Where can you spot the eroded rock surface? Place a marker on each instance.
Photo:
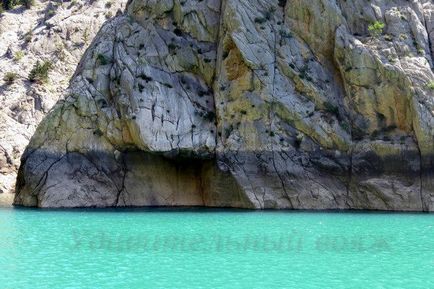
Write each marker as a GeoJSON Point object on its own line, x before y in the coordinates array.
{"type": "Point", "coordinates": [55, 31]}
{"type": "Point", "coordinates": [253, 104]}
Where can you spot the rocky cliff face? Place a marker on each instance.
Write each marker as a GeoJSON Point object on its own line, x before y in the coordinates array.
{"type": "Point", "coordinates": [54, 31]}
{"type": "Point", "coordinates": [255, 104]}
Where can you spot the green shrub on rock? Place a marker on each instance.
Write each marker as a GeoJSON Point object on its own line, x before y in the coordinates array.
{"type": "Point", "coordinates": [10, 4]}
{"type": "Point", "coordinates": [376, 28]}
{"type": "Point", "coordinates": [18, 55]}
{"type": "Point", "coordinates": [40, 71]}
{"type": "Point", "coordinates": [10, 77]}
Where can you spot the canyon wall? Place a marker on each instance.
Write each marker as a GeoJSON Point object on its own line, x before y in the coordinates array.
{"type": "Point", "coordinates": [261, 104]}
{"type": "Point", "coordinates": [55, 31]}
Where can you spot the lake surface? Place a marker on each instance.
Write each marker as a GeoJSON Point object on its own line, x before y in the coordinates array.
{"type": "Point", "coordinates": [214, 249]}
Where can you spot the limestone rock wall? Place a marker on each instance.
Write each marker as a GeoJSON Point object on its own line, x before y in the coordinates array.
{"type": "Point", "coordinates": [56, 31]}
{"type": "Point", "coordinates": [253, 104]}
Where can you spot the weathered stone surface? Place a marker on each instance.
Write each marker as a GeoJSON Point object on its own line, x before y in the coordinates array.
{"type": "Point", "coordinates": [253, 104]}
{"type": "Point", "coordinates": [55, 31]}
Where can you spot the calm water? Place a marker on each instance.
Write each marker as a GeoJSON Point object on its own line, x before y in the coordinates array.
{"type": "Point", "coordinates": [214, 249]}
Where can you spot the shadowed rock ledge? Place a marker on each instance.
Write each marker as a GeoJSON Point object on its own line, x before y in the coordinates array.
{"type": "Point", "coordinates": [250, 104]}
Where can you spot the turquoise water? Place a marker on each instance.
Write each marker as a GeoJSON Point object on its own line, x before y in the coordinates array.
{"type": "Point", "coordinates": [214, 249]}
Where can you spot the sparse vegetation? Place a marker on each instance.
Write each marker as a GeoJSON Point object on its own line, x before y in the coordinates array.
{"type": "Point", "coordinates": [403, 36]}
{"type": "Point", "coordinates": [102, 59]}
{"type": "Point", "coordinates": [51, 13]}
{"type": "Point", "coordinates": [345, 126]}
{"type": "Point", "coordinates": [172, 48]}
{"type": "Point", "coordinates": [10, 77]}
{"type": "Point", "coordinates": [28, 36]}
{"type": "Point", "coordinates": [304, 73]}
{"type": "Point", "coordinates": [28, 3]}
{"type": "Point", "coordinates": [376, 28]}
{"type": "Point", "coordinates": [10, 4]}
{"type": "Point", "coordinates": [210, 116]}
{"type": "Point", "coordinates": [18, 55]}
{"type": "Point", "coordinates": [388, 37]}
{"type": "Point", "coordinates": [86, 36]}
{"type": "Point", "coordinates": [391, 59]}
{"type": "Point", "coordinates": [40, 71]}
{"type": "Point", "coordinates": [60, 51]}
{"type": "Point", "coordinates": [330, 108]}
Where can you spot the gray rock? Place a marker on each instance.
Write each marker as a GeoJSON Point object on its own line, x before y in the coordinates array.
{"type": "Point", "coordinates": [55, 31]}
{"type": "Point", "coordinates": [250, 104]}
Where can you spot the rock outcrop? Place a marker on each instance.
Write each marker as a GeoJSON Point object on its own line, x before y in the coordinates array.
{"type": "Point", "coordinates": [293, 104]}
{"type": "Point", "coordinates": [55, 31]}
